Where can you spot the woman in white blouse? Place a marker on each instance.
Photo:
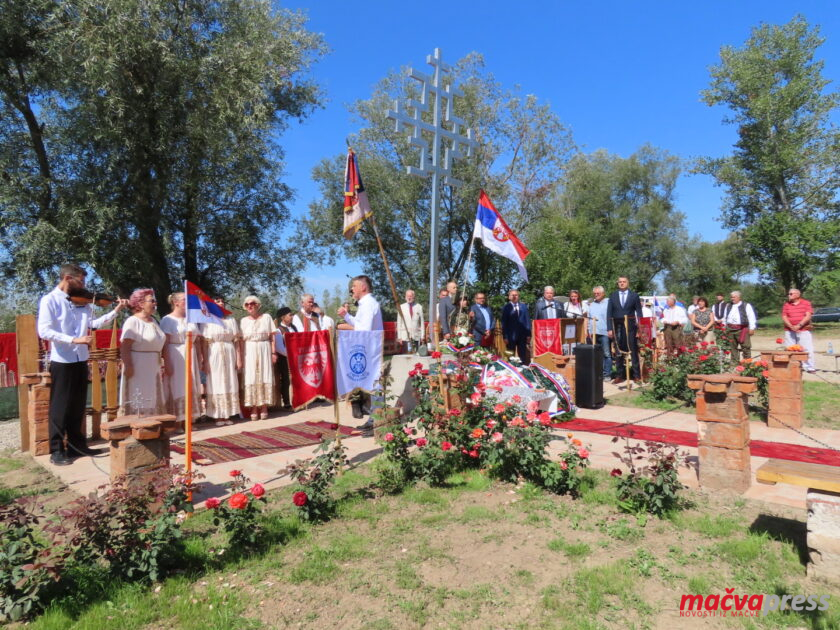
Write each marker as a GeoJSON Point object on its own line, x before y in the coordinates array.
{"type": "Point", "coordinates": [141, 344]}
{"type": "Point", "coordinates": [258, 336]}
{"type": "Point", "coordinates": [222, 360]}
{"type": "Point", "coordinates": [175, 358]}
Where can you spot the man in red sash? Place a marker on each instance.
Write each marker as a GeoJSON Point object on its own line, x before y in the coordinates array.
{"type": "Point", "coordinates": [739, 319]}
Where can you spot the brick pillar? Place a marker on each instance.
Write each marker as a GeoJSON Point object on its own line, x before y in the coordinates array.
{"type": "Point", "coordinates": [784, 387]}
{"type": "Point", "coordinates": [38, 412]}
{"type": "Point", "coordinates": [824, 535]}
{"type": "Point", "coordinates": [723, 429]}
{"type": "Point", "coordinates": [138, 445]}
{"type": "Point", "coordinates": [565, 365]}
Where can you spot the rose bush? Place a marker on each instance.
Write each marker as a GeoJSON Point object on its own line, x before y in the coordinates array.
{"type": "Point", "coordinates": [239, 515]}
{"type": "Point", "coordinates": [315, 477]}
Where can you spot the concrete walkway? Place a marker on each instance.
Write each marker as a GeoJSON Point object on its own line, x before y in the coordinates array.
{"type": "Point", "coordinates": [88, 473]}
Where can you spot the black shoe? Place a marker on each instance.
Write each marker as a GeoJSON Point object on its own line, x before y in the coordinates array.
{"type": "Point", "coordinates": [367, 426]}
{"type": "Point", "coordinates": [357, 410]}
{"type": "Point", "coordinates": [59, 458]}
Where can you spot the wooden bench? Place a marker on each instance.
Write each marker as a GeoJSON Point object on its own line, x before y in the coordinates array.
{"type": "Point", "coordinates": [823, 503]}
{"type": "Point", "coordinates": [816, 476]}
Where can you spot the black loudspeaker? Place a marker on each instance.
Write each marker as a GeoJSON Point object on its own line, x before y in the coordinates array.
{"type": "Point", "coordinates": [589, 380]}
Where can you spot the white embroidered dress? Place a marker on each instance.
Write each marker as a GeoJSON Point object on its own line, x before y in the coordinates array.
{"type": "Point", "coordinates": [258, 335]}
{"type": "Point", "coordinates": [142, 393]}
{"type": "Point", "coordinates": [174, 384]}
{"type": "Point", "coordinates": [222, 381]}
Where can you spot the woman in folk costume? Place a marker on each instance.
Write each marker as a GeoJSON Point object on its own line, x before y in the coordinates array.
{"type": "Point", "coordinates": [222, 360]}
{"type": "Point", "coordinates": [175, 355]}
{"type": "Point", "coordinates": [141, 344]}
{"type": "Point", "coordinates": [258, 332]}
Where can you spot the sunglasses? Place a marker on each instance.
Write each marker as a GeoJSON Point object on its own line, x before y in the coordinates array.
{"type": "Point", "coordinates": [251, 304]}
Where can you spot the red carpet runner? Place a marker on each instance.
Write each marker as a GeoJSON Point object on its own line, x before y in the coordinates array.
{"type": "Point", "coordinates": [758, 448]}
{"type": "Point", "coordinates": [236, 446]}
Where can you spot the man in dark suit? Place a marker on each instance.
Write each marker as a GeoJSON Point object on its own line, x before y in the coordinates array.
{"type": "Point", "coordinates": [483, 323]}
{"type": "Point", "coordinates": [548, 307]}
{"type": "Point", "coordinates": [624, 302]}
{"type": "Point", "coordinates": [516, 327]}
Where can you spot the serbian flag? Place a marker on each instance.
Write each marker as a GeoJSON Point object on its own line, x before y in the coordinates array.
{"type": "Point", "coordinates": [491, 228]}
{"type": "Point", "coordinates": [356, 206]}
{"type": "Point", "coordinates": [310, 366]}
{"type": "Point", "coordinates": [200, 308]}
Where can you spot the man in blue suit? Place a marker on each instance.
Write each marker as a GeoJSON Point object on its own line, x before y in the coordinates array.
{"type": "Point", "coordinates": [548, 307]}
{"type": "Point", "coordinates": [624, 303]}
{"type": "Point", "coordinates": [482, 320]}
{"type": "Point", "coordinates": [516, 327]}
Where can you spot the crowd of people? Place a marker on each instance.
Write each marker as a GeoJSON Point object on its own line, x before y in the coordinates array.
{"type": "Point", "coordinates": [243, 364]}
{"type": "Point", "coordinates": [611, 322]}
{"type": "Point", "coordinates": [228, 358]}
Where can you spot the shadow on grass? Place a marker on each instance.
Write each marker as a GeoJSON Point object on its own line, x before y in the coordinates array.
{"type": "Point", "coordinates": [785, 530]}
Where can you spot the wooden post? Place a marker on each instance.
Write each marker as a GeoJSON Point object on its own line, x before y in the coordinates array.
{"type": "Point", "coordinates": [27, 360]}
{"type": "Point", "coordinates": [96, 390]}
{"type": "Point", "coordinates": [111, 380]}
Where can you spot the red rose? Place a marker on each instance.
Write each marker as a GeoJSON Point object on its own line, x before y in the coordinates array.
{"type": "Point", "coordinates": [418, 366]}
{"type": "Point", "coordinates": [765, 373]}
{"type": "Point", "coordinates": [212, 503]}
{"type": "Point", "coordinates": [424, 372]}
{"type": "Point", "coordinates": [445, 446]}
{"type": "Point", "coordinates": [454, 412]}
{"type": "Point", "coordinates": [257, 490]}
{"type": "Point", "coordinates": [615, 472]}
{"type": "Point", "coordinates": [300, 499]}
{"type": "Point", "coordinates": [235, 473]}
{"type": "Point", "coordinates": [436, 354]}
{"type": "Point", "coordinates": [334, 426]}
{"type": "Point", "coordinates": [473, 453]}
{"type": "Point", "coordinates": [238, 501]}
{"type": "Point", "coordinates": [421, 442]}
{"type": "Point", "coordinates": [413, 373]}
{"type": "Point", "coordinates": [703, 357]}
{"type": "Point", "coordinates": [703, 344]}
{"type": "Point", "coordinates": [739, 368]}
{"type": "Point", "coordinates": [780, 341]}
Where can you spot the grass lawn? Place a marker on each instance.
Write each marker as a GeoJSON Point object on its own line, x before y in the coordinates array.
{"type": "Point", "coordinates": [476, 554]}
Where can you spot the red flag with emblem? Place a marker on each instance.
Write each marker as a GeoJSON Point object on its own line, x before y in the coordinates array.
{"type": "Point", "coordinates": [546, 335]}
{"type": "Point", "coordinates": [310, 366]}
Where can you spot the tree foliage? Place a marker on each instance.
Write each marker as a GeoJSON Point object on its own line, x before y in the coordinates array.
{"type": "Point", "coordinates": [523, 148]}
{"type": "Point", "coordinates": [782, 177]}
{"type": "Point", "coordinates": [705, 268]}
{"type": "Point", "coordinates": [139, 137]}
{"type": "Point", "coordinates": [612, 216]}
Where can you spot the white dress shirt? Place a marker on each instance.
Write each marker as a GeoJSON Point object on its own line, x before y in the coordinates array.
{"type": "Point", "coordinates": [414, 318]}
{"type": "Point", "coordinates": [368, 316]}
{"type": "Point", "coordinates": [575, 309]}
{"type": "Point", "coordinates": [675, 315]}
{"type": "Point", "coordinates": [60, 322]}
{"type": "Point", "coordinates": [315, 323]}
{"type": "Point", "coordinates": [734, 316]}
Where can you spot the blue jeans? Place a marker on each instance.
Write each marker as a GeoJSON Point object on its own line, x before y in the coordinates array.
{"type": "Point", "coordinates": [604, 342]}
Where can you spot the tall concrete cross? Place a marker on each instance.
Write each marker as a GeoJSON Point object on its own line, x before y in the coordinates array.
{"type": "Point", "coordinates": [446, 144]}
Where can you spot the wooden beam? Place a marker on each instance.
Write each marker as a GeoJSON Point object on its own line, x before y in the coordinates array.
{"type": "Point", "coordinates": [817, 476]}
{"type": "Point", "coordinates": [27, 360]}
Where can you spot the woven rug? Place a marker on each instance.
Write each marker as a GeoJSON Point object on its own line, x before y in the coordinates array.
{"type": "Point", "coordinates": [758, 448]}
{"type": "Point", "coordinates": [236, 446]}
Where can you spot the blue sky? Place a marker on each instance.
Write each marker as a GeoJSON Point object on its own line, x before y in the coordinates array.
{"type": "Point", "coordinates": [618, 73]}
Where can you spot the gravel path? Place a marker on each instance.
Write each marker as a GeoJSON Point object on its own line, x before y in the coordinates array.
{"type": "Point", "coordinates": [10, 435]}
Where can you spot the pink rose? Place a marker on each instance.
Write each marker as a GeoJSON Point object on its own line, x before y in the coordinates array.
{"type": "Point", "coordinates": [408, 430]}
{"type": "Point", "coordinates": [516, 399]}
{"type": "Point", "coordinates": [498, 408]}
{"type": "Point", "coordinates": [491, 424]}
{"type": "Point", "coordinates": [563, 464]}
{"type": "Point", "coordinates": [583, 453]}
{"type": "Point", "coordinates": [545, 419]}
{"type": "Point", "coordinates": [532, 406]}
{"type": "Point", "coordinates": [389, 437]}
{"type": "Point", "coordinates": [212, 503]}
{"type": "Point", "coordinates": [530, 416]}
{"type": "Point", "coordinates": [497, 437]}
{"type": "Point", "coordinates": [421, 442]}
{"type": "Point", "coordinates": [473, 453]}
{"type": "Point", "coordinates": [455, 412]}
{"type": "Point", "coordinates": [257, 490]}
{"type": "Point", "coordinates": [739, 368]}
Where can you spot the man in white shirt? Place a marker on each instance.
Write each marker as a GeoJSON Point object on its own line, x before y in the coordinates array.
{"type": "Point", "coordinates": [740, 322]}
{"type": "Point", "coordinates": [67, 327]}
{"type": "Point", "coordinates": [412, 315]}
{"type": "Point", "coordinates": [327, 322]}
{"type": "Point", "coordinates": [306, 318]}
{"type": "Point", "coordinates": [368, 317]}
{"type": "Point", "coordinates": [674, 318]}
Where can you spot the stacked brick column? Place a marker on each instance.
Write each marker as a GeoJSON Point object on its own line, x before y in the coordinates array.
{"type": "Point", "coordinates": [138, 445]}
{"type": "Point", "coordinates": [38, 412]}
{"type": "Point", "coordinates": [723, 430]}
{"type": "Point", "coordinates": [824, 535]}
{"type": "Point", "coordinates": [784, 387]}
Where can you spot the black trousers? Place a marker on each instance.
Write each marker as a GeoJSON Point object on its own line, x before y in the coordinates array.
{"type": "Point", "coordinates": [621, 348]}
{"type": "Point", "coordinates": [68, 398]}
{"type": "Point", "coordinates": [283, 381]}
{"type": "Point", "coordinates": [521, 348]}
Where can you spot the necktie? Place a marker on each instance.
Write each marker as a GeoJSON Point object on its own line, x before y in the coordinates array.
{"type": "Point", "coordinates": [623, 297]}
{"type": "Point", "coordinates": [411, 310]}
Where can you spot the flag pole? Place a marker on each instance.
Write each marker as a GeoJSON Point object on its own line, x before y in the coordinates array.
{"type": "Point", "coordinates": [466, 276]}
{"type": "Point", "coordinates": [334, 350]}
{"type": "Point", "coordinates": [388, 272]}
{"type": "Point", "coordinates": [629, 353]}
{"type": "Point", "coordinates": [188, 395]}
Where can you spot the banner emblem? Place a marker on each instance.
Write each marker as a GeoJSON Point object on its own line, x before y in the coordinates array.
{"type": "Point", "coordinates": [358, 361]}
{"type": "Point", "coordinates": [500, 234]}
{"type": "Point", "coordinates": [311, 365]}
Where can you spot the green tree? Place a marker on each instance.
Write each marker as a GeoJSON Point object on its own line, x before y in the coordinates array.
{"type": "Point", "coordinates": [139, 137]}
{"type": "Point", "coordinates": [612, 216]}
{"type": "Point", "coordinates": [781, 180]}
{"type": "Point", "coordinates": [704, 268]}
{"type": "Point", "coordinates": [523, 148]}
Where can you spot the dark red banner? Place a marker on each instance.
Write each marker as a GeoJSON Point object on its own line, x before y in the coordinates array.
{"type": "Point", "coordinates": [310, 366]}
{"type": "Point", "coordinates": [546, 334]}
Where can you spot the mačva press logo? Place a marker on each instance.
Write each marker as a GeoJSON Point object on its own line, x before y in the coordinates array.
{"type": "Point", "coordinates": [731, 605]}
